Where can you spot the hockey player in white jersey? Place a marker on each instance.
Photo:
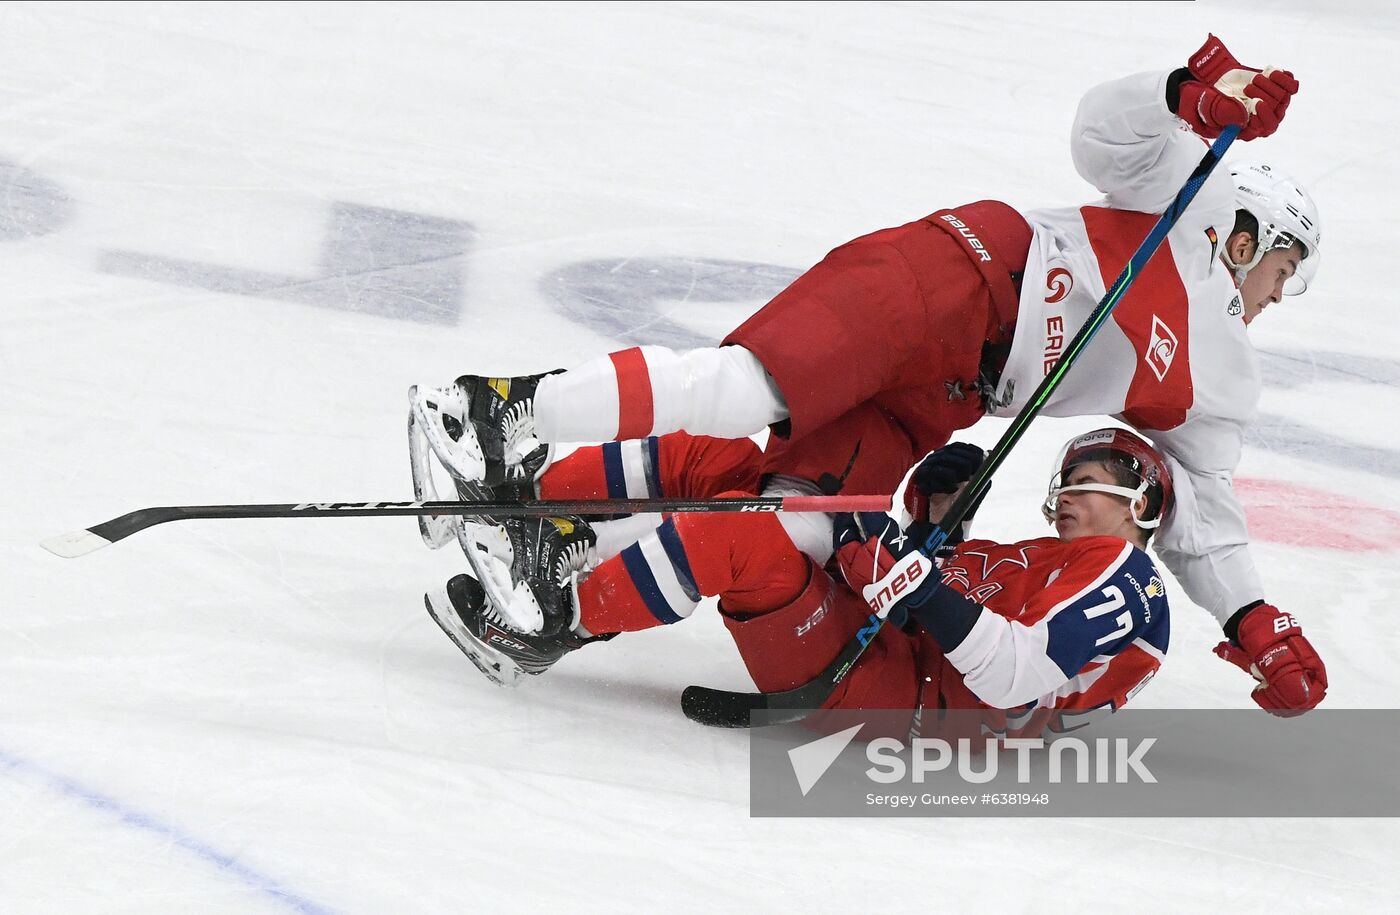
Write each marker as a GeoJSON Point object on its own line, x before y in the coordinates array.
{"type": "Point", "coordinates": [894, 341]}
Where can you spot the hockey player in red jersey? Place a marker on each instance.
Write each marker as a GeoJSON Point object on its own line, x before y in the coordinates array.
{"type": "Point", "coordinates": [1052, 625]}
{"type": "Point", "coordinates": [879, 353]}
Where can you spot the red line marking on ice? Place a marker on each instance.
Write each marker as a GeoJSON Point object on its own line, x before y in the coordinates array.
{"type": "Point", "coordinates": [1301, 516]}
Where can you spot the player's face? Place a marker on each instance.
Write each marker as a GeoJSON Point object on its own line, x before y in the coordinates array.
{"type": "Point", "coordinates": [1090, 514]}
{"type": "Point", "coordinates": [1263, 285]}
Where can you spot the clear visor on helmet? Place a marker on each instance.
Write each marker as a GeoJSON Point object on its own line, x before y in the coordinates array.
{"type": "Point", "coordinates": [1271, 239]}
{"type": "Point", "coordinates": [1058, 487]}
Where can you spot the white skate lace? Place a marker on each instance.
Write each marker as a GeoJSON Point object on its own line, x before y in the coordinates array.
{"type": "Point", "coordinates": [488, 608]}
{"type": "Point", "coordinates": [572, 559]}
{"type": "Point", "coordinates": [518, 433]}
{"type": "Point", "coordinates": [496, 618]}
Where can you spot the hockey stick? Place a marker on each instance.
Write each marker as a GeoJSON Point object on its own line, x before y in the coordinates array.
{"type": "Point", "coordinates": [82, 542]}
{"type": "Point", "coordinates": [723, 708]}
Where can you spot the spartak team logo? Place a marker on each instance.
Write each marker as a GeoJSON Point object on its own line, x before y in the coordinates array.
{"type": "Point", "coordinates": [1058, 283]}
{"type": "Point", "coordinates": [1161, 348]}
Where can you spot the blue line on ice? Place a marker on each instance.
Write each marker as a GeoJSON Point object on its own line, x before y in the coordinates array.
{"type": "Point", "coordinates": [137, 820]}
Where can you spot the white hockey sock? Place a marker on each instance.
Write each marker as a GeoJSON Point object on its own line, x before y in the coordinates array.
{"type": "Point", "coordinates": [811, 532]}
{"type": "Point", "coordinates": [651, 390]}
{"type": "Point", "coordinates": [616, 535]}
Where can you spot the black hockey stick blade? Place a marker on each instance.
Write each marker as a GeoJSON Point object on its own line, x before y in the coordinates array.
{"type": "Point", "coordinates": [79, 543]}
{"type": "Point", "coordinates": [721, 708]}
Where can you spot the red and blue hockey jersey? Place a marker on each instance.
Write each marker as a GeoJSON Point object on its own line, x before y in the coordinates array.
{"type": "Point", "coordinates": [1063, 628]}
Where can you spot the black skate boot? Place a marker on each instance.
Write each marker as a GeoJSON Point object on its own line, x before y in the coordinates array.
{"type": "Point", "coordinates": [501, 414]}
{"type": "Point", "coordinates": [482, 431]}
{"type": "Point", "coordinates": [518, 618]}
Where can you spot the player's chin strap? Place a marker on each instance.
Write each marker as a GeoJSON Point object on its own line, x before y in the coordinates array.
{"type": "Point", "coordinates": [1132, 495]}
{"type": "Point", "coordinates": [1261, 247]}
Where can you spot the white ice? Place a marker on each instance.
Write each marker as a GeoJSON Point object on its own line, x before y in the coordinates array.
{"type": "Point", "coordinates": [231, 236]}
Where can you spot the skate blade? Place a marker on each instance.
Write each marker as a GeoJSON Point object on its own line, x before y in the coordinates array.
{"type": "Point", "coordinates": [463, 457]}
{"type": "Point", "coordinates": [492, 570]}
{"type": "Point", "coordinates": [498, 668]}
{"type": "Point", "coordinates": [436, 530]}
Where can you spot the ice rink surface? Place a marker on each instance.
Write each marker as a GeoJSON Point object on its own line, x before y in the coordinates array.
{"type": "Point", "coordinates": [231, 237]}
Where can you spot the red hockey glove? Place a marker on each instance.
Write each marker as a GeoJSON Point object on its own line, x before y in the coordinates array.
{"type": "Point", "coordinates": [1227, 92]}
{"type": "Point", "coordinates": [1274, 89]}
{"type": "Point", "coordinates": [1270, 647]}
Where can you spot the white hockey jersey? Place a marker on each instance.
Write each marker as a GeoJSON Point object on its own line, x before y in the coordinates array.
{"type": "Point", "coordinates": [1174, 360]}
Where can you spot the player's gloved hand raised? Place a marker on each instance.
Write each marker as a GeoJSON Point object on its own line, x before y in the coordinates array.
{"type": "Point", "coordinates": [1224, 92]}
{"type": "Point", "coordinates": [868, 544]}
{"type": "Point", "coordinates": [939, 474]}
{"type": "Point", "coordinates": [1269, 645]}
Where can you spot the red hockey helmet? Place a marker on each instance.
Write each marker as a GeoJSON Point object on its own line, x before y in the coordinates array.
{"type": "Point", "coordinates": [1124, 450]}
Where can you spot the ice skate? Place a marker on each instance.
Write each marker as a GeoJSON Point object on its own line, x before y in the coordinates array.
{"type": "Point", "coordinates": [519, 615]}
{"type": "Point", "coordinates": [482, 432]}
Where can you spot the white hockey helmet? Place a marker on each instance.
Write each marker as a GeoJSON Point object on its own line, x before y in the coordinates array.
{"type": "Point", "coordinates": [1286, 213]}
{"type": "Point", "coordinates": [1121, 449]}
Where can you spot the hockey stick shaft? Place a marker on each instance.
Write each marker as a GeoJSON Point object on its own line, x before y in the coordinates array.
{"type": "Point", "coordinates": [722, 708]}
{"type": "Point", "coordinates": [78, 543]}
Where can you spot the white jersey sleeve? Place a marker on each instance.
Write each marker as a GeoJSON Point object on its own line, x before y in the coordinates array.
{"type": "Point", "coordinates": [1130, 146]}
{"type": "Point", "coordinates": [1204, 541]}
